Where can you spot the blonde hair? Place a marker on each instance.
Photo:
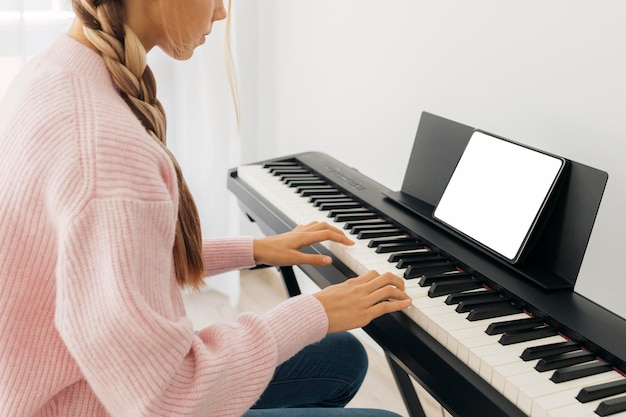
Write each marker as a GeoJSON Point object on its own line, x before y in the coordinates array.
{"type": "Point", "coordinates": [125, 57]}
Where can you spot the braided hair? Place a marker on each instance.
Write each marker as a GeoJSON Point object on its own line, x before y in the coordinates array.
{"type": "Point", "coordinates": [125, 57]}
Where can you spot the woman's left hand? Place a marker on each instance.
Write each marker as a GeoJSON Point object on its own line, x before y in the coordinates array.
{"type": "Point", "coordinates": [284, 249]}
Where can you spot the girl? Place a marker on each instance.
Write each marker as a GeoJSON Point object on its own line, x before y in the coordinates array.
{"type": "Point", "coordinates": [99, 232]}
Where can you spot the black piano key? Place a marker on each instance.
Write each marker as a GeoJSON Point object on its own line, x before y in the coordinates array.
{"type": "Point", "coordinates": [489, 312]}
{"type": "Point", "coordinates": [370, 234]}
{"type": "Point", "coordinates": [524, 335]}
{"type": "Point", "coordinates": [338, 205]}
{"type": "Point", "coordinates": [418, 271]}
{"type": "Point", "coordinates": [314, 198]}
{"type": "Point", "coordinates": [395, 257]}
{"type": "Point", "coordinates": [302, 182]}
{"type": "Point", "coordinates": [469, 305]}
{"type": "Point", "coordinates": [536, 352]}
{"type": "Point", "coordinates": [399, 247]}
{"type": "Point", "coordinates": [449, 287]}
{"type": "Point", "coordinates": [457, 297]}
{"type": "Point", "coordinates": [429, 279]}
{"type": "Point", "coordinates": [357, 216]}
{"type": "Point", "coordinates": [378, 224]}
{"type": "Point", "coordinates": [612, 406]}
{"type": "Point", "coordinates": [371, 222]}
{"type": "Point", "coordinates": [421, 264]}
{"type": "Point", "coordinates": [582, 370]}
{"type": "Point", "coordinates": [565, 359]}
{"type": "Point", "coordinates": [323, 187]}
{"type": "Point", "coordinates": [319, 192]}
{"type": "Point", "coordinates": [330, 199]}
{"type": "Point", "coordinates": [507, 326]}
{"type": "Point", "coordinates": [284, 171]}
{"type": "Point", "coordinates": [596, 392]}
{"type": "Point", "coordinates": [354, 210]}
{"type": "Point", "coordinates": [296, 177]}
{"type": "Point", "coordinates": [424, 255]}
{"type": "Point", "coordinates": [271, 164]}
{"type": "Point", "coordinates": [374, 243]}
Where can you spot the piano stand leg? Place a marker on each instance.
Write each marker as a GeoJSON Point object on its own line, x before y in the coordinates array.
{"type": "Point", "coordinates": [403, 381]}
{"type": "Point", "coordinates": [289, 279]}
{"type": "Point", "coordinates": [407, 390]}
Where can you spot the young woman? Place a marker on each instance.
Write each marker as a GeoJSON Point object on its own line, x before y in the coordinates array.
{"type": "Point", "coordinates": [99, 232]}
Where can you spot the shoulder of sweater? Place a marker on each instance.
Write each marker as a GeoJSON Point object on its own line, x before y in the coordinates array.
{"type": "Point", "coordinates": [97, 139]}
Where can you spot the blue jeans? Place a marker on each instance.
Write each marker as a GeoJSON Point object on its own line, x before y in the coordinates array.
{"type": "Point", "coordinates": [318, 382]}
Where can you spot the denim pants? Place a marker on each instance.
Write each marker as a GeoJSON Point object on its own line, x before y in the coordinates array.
{"type": "Point", "coordinates": [318, 382]}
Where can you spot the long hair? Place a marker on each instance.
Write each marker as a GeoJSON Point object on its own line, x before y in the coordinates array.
{"type": "Point", "coordinates": [125, 57]}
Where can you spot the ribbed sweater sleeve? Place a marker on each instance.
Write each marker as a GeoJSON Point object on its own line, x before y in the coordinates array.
{"type": "Point", "coordinates": [91, 318]}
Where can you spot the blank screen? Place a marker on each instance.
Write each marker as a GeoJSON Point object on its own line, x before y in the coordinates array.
{"type": "Point", "coordinates": [497, 192]}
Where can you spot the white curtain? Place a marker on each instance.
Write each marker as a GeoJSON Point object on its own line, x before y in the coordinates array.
{"type": "Point", "coordinates": [195, 94]}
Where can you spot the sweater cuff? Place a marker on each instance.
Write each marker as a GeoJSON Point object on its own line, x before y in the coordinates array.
{"type": "Point", "coordinates": [296, 323]}
{"type": "Point", "coordinates": [227, 254]}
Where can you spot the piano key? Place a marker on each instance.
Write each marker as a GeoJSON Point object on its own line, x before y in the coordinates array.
{"type": "Point", "coordinates": [538, 399]}
{"type": "Point", "coordinates": [395, 257]}
{"type": "Point", "coordinates": [604, 390]}
{"type": "Point", "coordinates": [506, 326]}
{"type": "Point", "coordinates": [378, 224]}
{"type": "Point", "coordinates": [449, 287]}
{"type": "Point", "coordinates": [339, 205]}
{"type": "Point", "coordinates": [433, 265]}
{"type": "Point", "coordinates": [319, 192]}
{"type": "Point", "coordinates": [374, 243]}
{"type": "Point", "coordinates": [325, 197]}
{"type": "Point", "coordinates": [300, 182]}
{"type": "Point", "coordinates": [370, 234]}
{"type": "Point", "coordinates": [430, 279]}
{"type": "Point", "coordinates": [612, 406]}
{"type": "Point", "coordinates": [469, 305]}
{"type": "Point", "coordinates": [287, 179]}
{"type": "Point", "coordinates": [357, 216]}
{"type": "Point", "coordinates": [414, 271]}
{"type": "Point", "coordinates": [368, 222]}
{"type": "Point", "coordinates": [485, 312]}
{"type": "Point", "coordinates": [280, 164]}
{"type": "Point", "coordinates": [522, 335]}
{"type": "Point", "coordinates": [564, 359]}
{"type": "Point", "coordinates": [398, 247]}
{"type": "Point", "coordinates": [457, 297]}
{"type": "Point", "coordinates": [338, 200]}
{"type": "Point", "coordinates": [580, 410]}
{"type": "Point", "coordinates": [358, 210]}
{"type": "Point", "coordinates": [549, 350]}
{"type": "Point", "coordinates": [283, 171]}
{"type": "Point", "coordinates": [581, 370]}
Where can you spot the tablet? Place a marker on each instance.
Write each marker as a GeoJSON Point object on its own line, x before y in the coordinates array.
{"type": "Point", "coordinates": [497, 194]}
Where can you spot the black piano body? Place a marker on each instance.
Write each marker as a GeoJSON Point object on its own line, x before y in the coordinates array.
{"type": "Point", "coordinates": [542, 284]}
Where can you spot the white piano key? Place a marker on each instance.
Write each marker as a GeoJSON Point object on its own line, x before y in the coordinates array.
{"type": "Point", "coordinates": [561, 395]}
{"type": "Point", "coordinates": [582, 409]}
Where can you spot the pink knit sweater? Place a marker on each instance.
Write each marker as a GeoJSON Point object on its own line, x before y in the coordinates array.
{"type": "Point", "coordinates": [91, 319]}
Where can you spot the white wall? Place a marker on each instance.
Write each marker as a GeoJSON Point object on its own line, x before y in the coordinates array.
{"type": "Point", "coordinates": [351, 77]}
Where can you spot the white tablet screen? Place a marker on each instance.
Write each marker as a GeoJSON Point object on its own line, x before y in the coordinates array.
{"type": "Point", "coordinates": [497, 192]}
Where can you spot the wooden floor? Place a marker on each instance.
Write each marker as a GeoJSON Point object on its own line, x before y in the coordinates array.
{"type": "Point", "coordinates": [261, 290]}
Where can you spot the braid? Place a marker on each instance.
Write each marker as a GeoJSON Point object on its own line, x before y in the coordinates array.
{"type": "Point", "coordinates": [125, 57]}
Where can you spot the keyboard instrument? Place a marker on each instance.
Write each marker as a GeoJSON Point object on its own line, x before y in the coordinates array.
{"type": "Point", "coordinates": [485, 338]}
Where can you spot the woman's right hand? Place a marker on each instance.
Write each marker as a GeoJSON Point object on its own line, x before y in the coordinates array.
{"type": "Point", "coordinates": [357, 301]}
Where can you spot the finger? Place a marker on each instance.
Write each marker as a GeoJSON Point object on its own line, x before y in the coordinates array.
{"type": "Point", "coordinates": [385, 294]}
{"type": "Point", "coordinates": [389, 307]}
{"type": "Point", "coordinates": [320, 260]}
{"type": "Point", "coordinates": [323, 226]}
{"type": "Point", "coordinates": [386, 279]}
{"type": "Point", "coordinates": [325, 235]}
